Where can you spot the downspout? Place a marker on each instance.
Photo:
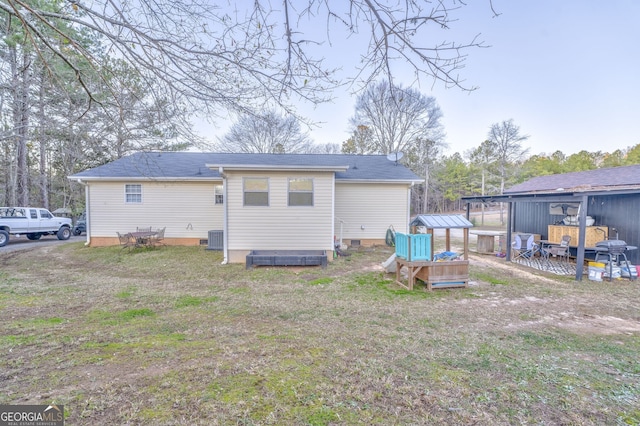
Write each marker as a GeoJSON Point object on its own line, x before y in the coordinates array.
{"type": "Point", "coordinates": [87, 211]}
{"type": "Point", "coordinates": [333, 214]}
{"type": "Point", "coordinates": [225, 209]}
{"type": "Point", "coordinates": [406, 230]}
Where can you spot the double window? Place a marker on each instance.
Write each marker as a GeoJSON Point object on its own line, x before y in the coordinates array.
{"type": "Point", "coordinates": [299, 192]}
{"type": "Point", "coordinates": [133, 193]}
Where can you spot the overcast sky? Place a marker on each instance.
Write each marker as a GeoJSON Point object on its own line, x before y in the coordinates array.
{"type": "Point", "coordinates": [567, 72]}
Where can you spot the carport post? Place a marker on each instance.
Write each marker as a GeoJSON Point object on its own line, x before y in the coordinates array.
{"type": "Point", "coordinates": [582, 219]}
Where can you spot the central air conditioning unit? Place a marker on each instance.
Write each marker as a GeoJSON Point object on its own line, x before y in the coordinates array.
{"type": "Point", "coordinates": [216, 240]}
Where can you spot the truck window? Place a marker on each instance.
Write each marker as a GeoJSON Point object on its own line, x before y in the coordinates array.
{"type": "Point", "coordinates": [44, 214]}
{"type": "Point", "coordinates": [12, 212]}
{"type": "Point", "coordinates": [33, 213]}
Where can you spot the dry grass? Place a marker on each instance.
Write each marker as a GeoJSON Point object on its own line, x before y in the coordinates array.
{"type": "Point", "coordinates": [170, 336]}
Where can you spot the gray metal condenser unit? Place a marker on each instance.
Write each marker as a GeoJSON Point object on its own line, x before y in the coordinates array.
{"type": "Point", "coordinates": [216, 240]}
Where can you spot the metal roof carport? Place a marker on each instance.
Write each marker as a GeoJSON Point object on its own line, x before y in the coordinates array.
{"type": "Point", "coordinates": [579, 197]}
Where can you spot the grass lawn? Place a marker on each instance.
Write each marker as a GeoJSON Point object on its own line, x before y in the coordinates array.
{"type": "Point", "coordinates": [171, 336]}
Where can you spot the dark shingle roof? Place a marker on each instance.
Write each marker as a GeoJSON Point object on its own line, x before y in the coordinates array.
{"type": "Point", "coordinates": [193, 165]}
{"type": "Point", "coordinates": [590, 180]}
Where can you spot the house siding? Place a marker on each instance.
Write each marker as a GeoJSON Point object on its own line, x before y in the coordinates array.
{"type": "Point", "coordinates": [279, 226]}
{"type": "Point", "coordinates": [186, 209]}
{"type": "Point", "coordinates": [374, 206]}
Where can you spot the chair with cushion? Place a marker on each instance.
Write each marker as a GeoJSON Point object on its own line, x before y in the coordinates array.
{"type": "Point", "coordinates": [523, 247]}
{"type": "Point", "coordinates": [560, 251]}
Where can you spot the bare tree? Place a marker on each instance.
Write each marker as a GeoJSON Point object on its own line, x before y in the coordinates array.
{"type": "Point", "coordinates": [483, 158]}
{"type": "Point", "coordinates": [195, 57]}
{"type": "Point", "coordinates": [270, 133]}
{"type": "Point", "coordinates": [326, 148]}
{"type": "Point", "coordinates": [396, 117]}
{"type": "Point", "coordinates": [506, 144]}
{"type": "Point", "coordinates": [234, 56]}
{"type": "Point", "coordinates": [21, 72]}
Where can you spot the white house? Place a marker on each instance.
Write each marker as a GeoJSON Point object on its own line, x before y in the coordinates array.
{"type": "Point", "coordinates": [253, 201]}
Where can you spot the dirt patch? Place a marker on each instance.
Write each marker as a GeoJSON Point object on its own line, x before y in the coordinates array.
{"type": "Point", "coordinates": [486, 261]}
{"type": "Point", "coordinates": [562, 312]}
{"type": "Point", "coordinates": [605, 325]}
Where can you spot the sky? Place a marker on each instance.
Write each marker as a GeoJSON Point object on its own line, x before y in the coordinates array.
{"type": "Point", "coordinates": [567, 73]}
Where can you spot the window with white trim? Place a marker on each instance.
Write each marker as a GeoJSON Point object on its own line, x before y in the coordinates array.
{"type": "Point", "coordinates": [133, 193]}
{"type": "Point", "coordinates": [256, 191]}
{"type": "Point", "coordinates": [300, 192]}
{"type": "Point", "coordinates": [219, 194]}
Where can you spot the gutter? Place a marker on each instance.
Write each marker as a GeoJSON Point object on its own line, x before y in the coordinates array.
{"type": "Point", "coordinates": [225, 216]}
{"type": "Point", "coordinates": [87, 208]}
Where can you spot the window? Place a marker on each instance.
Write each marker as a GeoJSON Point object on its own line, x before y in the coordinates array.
{"type": "Point", "coordinates": [133, 193]}
{"type": "Point", "coordinates": [301, 192]}
{"type": "Point", "coordinates": [219, 195]}
{"type": "Point", "coordinates": [44, 214]}
{"type": "Point", "coordinates": [33, 213]}
{"type": "Point", "coordinates": [256, 191]}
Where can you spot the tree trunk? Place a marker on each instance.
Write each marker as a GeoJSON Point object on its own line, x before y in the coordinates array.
{"type": "Point", "coordinates": [42, 181]}
{"type": "Point", "coordinates": [20, 91]}
{"type": "Point", "coordinates": [502, 177]}
{"type": "Point", "coordinates": [482, 205]}
{"type": "Point", "coordinates": [425, 201]}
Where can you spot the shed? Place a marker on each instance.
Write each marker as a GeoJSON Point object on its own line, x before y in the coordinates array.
{"type": "Point", "coordinates": [446, 222]}
{"type": "Point", "coordinates": [435, 272]}
{"type": "Point", "coordinates": [63, 211]}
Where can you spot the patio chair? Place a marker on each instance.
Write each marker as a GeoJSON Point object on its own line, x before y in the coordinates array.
{"type": "Point", "coordinates": [561, 251]}
{"type": "Point", "coordinates": [157, 238]}
{"type": "Point", "coordinates": [523, 247]}
{"type": "Point", "coordinates": [126, 240]}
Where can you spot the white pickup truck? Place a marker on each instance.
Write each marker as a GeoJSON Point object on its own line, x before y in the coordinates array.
{"type": "Point", "coordinates": [32, 222]}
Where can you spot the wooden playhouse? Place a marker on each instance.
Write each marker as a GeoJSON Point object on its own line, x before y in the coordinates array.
{"type": "Point", "coordinates": [415, 252]}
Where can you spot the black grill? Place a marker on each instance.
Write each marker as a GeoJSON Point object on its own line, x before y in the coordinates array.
{"type": "Point", "coordinates": [612, 246]}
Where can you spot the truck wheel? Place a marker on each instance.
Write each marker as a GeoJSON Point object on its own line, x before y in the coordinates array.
{"type": "Point", "coordinates": [77, 231]}
{"type": "Point", "coordinates": [64, 233]}
{"type": "Point", "coordinates": [34, 236]}
{"type": "Point", "coordinates": [4, 238]}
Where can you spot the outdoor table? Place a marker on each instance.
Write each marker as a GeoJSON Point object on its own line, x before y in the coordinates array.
{"type": "Point", "coordinates": [486, 240]}
{"type": "Point", "coordinates": [546, 244]}
{"type": "Point", "coordinates": [143, 238]}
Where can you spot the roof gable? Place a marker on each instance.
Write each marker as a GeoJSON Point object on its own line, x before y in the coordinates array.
{"type": "Point", "coordinates": [590, 180]}
{"type": "Point", "coordinates": [193, 166]}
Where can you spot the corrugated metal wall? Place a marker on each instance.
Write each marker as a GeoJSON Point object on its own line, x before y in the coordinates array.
{"type": "Point", "coordinates": [616, 211]}
{"type": "Point", "coordinates": [534, 218]}
{"type": "Point", "coordinates": [623, 213]}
